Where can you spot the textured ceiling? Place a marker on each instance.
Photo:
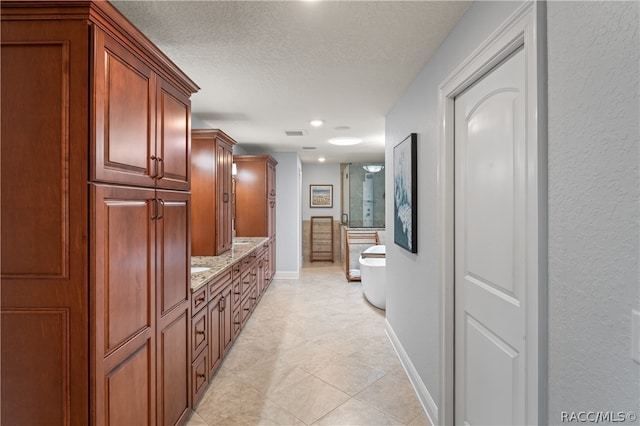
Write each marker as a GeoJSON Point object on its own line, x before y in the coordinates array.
{"type": "Point", "coordinates": [269, 66]}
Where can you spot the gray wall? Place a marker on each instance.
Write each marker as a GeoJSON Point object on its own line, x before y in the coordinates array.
{"type": "Point", "coordinates": [321, 174]}
{"type": "Point", "coordinates": [413, 307]}
{"type": "Point", "coordinates": [288, 214]}
{"type": "Point", "coordinates": [593, 205]}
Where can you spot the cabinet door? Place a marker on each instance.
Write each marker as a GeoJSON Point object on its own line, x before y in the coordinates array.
{"type": "Point", "coordinates": [123, 323]}
{"type": "Point", "coordinates": [215, 348]}
{"type": "Point", "coordinates": [271, 217]}
{"type": "Point", "coordinates": [174, 365]}
{"type": "Point", "coordinates": [124, 116]}
{"type": "Point", "coordinates": [226, 319]}
{"type": "Point", "coordinates": [271, 180]}
{"type": "Point", "coordinates": [224, 160]}
{"type": "Point", "coordinates": [174, 253]}
{"type": "Point", "coordinates": [172, 305]}
{"type": "Point", "coordinates": [174, 137]}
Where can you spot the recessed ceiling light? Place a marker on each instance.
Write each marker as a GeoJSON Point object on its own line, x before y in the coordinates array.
{"type": "Point", "coordinates": [322, 159]}
{"type": "Point", "coordinates": [316, 123]}
{"type": "Point", "coordinates": [345, 141]}
{"type": "Point", "coordinates": [342, 128]}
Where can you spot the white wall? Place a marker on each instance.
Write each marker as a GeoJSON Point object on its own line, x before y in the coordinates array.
{"type": "Point", "coordinates": [288, 215]}
{"type": "Point", "coordinates": [412, 290]}
{"type": "Point", "coordinates": [593, 205]}
{"type": "Point", "coordinates": [321, 174]}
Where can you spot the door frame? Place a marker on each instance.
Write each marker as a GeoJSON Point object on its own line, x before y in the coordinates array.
{"type": "Point", "coordinates": [525, 27]}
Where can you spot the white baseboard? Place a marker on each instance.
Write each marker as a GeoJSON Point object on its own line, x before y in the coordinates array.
{"type": "Point", "coordinates": [287, 275]}
{"type": "Point", "coordinates": [428, 404]}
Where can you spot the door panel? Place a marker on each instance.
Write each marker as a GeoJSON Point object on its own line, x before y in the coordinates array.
{"type": "Point", "coordinates": [174, 138]}
{"type": "Point", "coordinates": [123, 325]}
{"type": "Point", "coordinates": [125, 103]}
{"type": "Point", "coordinates": [174, 261]}
{"type": "Point", "coordinates": [490, 241]}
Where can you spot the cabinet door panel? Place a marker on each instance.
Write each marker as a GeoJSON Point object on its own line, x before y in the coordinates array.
{"type": "Point", "coordinates": [174, 137]}
{"type": "Point", "coordinates": [125, 103]}
{"type": "Point", "coordinates": [124, 248]}
{"type": "Point", "coordinates": [173, 249]}
{"type": "Point", "coordinates": [215, 348]}
{"type": "Point", "coordinates": [174, 366]}
{"type": "Point", "coordinates": [123, 323]}
{"type": "Point", "coordinates": [129, 395]}
{"type": "Point", "coordinates": [226, 332]}
{"type": "Point", "coordinates": [225, 160]}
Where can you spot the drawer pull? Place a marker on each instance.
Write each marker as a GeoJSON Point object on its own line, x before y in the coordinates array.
{"type": "Point", "coordinates": [200, 299]}
{"type": "Point", "coordinates": [200, 332]}
{"type": "Point", "coordinates": [201, 375]}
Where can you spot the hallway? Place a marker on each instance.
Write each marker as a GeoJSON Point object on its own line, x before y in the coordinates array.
{"type": "Point", "coordinates": [313, 352]}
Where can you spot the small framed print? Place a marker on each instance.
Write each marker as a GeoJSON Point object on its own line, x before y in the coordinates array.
{"type": "Point", "coordinates": [321, 196]}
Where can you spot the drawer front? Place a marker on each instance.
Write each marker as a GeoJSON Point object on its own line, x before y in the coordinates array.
{"type": "Point", "coordinates": [216, 285]}
{"type": "Point", "coordinates": [199, 377]}
{"type": "Point", "coordinates": [198, 300]}
{"type": "Point", "coordinates": [235, 270]}
{"type": "Point", "coordinates": [199, 333]}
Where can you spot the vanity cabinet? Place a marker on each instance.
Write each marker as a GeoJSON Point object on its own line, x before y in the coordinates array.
{"type": "Point", "coordinates": [221, 307]}
{"type": "Point", "coordinates": [96, 240]}
{"type": "Point", "coordinates": [211, 164]}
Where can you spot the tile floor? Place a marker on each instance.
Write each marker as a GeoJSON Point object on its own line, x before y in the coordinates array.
{"type": "Point", "coordinates": [314, 352]}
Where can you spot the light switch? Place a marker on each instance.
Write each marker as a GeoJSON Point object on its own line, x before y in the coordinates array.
{"type": "Point", "coordinates": [635, 335]}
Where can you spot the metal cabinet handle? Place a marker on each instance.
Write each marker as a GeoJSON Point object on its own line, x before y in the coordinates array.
{"type": "Point", "coordinates": [161, 212]}
{"type": "Point", "coordinates": [161, 161]}
{"type": "Point", "coordinates": [225, 197]}
{"type": "Point", "coordinates": [155, 167]}
{"type": "Point", "coordinates": [200, 332]}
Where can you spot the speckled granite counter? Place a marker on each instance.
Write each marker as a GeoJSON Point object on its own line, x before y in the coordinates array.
{"type": "Point", "coordinates": [241, 247]}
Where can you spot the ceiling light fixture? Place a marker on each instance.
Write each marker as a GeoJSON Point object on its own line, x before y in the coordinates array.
{"type": "Point", "coordinates": [343, 141]}
{"type": "Point", "coordinates": [373, 168]}
{"type": "Point", "coordinates": [316, 123]}
{"type": "Point", "coordinates": [322, 159]}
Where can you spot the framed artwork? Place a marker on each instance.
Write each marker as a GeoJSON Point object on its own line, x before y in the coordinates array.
{"type": "Point", "coordinates": [321, 196]}
{"type": "Point", "coordinates": [405, 193]}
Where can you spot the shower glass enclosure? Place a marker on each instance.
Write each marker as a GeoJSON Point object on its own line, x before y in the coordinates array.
{"type": "Point", "coordinates": [363, 195]}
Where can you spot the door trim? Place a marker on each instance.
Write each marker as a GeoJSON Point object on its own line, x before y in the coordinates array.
{"type": "Point", "coordinates": [525, 27]}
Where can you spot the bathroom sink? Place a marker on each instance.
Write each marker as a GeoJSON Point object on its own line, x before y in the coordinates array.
{"type": "Point", "coordinates": [196, 269]}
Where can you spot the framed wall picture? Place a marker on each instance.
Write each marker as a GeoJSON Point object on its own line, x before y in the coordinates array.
{"type": "Point", "coordinates": [321, 196]}
{"type": "Point", "coordinates": [405, 192]}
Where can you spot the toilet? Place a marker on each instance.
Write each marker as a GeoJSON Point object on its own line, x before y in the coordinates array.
{"type": "Point", "coordinates": [372, 275]}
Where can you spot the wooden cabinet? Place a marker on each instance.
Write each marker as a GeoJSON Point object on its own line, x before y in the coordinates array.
{"type": "Point", "coordinates": [95, 279]}
{"type": "Point", "coordinates": [255, 196]}
{"type": "Point", "coordinates": [141, 121]}
{"type": "Point", "coordinates": [211, 162]}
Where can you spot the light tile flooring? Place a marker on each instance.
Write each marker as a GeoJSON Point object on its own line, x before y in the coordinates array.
{"type": "Point", "coordinates": [314, 352]}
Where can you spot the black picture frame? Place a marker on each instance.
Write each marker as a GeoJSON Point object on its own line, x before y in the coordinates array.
{"type": "Point", "coordinates": [405, 193]}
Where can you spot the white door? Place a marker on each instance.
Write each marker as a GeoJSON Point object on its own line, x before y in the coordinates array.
{"type": "Point", "coordinates": [490, 247]}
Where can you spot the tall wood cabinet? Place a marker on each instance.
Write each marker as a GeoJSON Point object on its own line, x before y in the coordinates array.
{"type": "Point", "coordinates": [255, 195]}
{"type": "Point", "coordinates": [211, 162]}
{"type": "Point", "coordinates": [95, 179]}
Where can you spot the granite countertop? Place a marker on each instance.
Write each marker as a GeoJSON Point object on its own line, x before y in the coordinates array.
{"type": "Point", "coordinates": [241, 247]}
